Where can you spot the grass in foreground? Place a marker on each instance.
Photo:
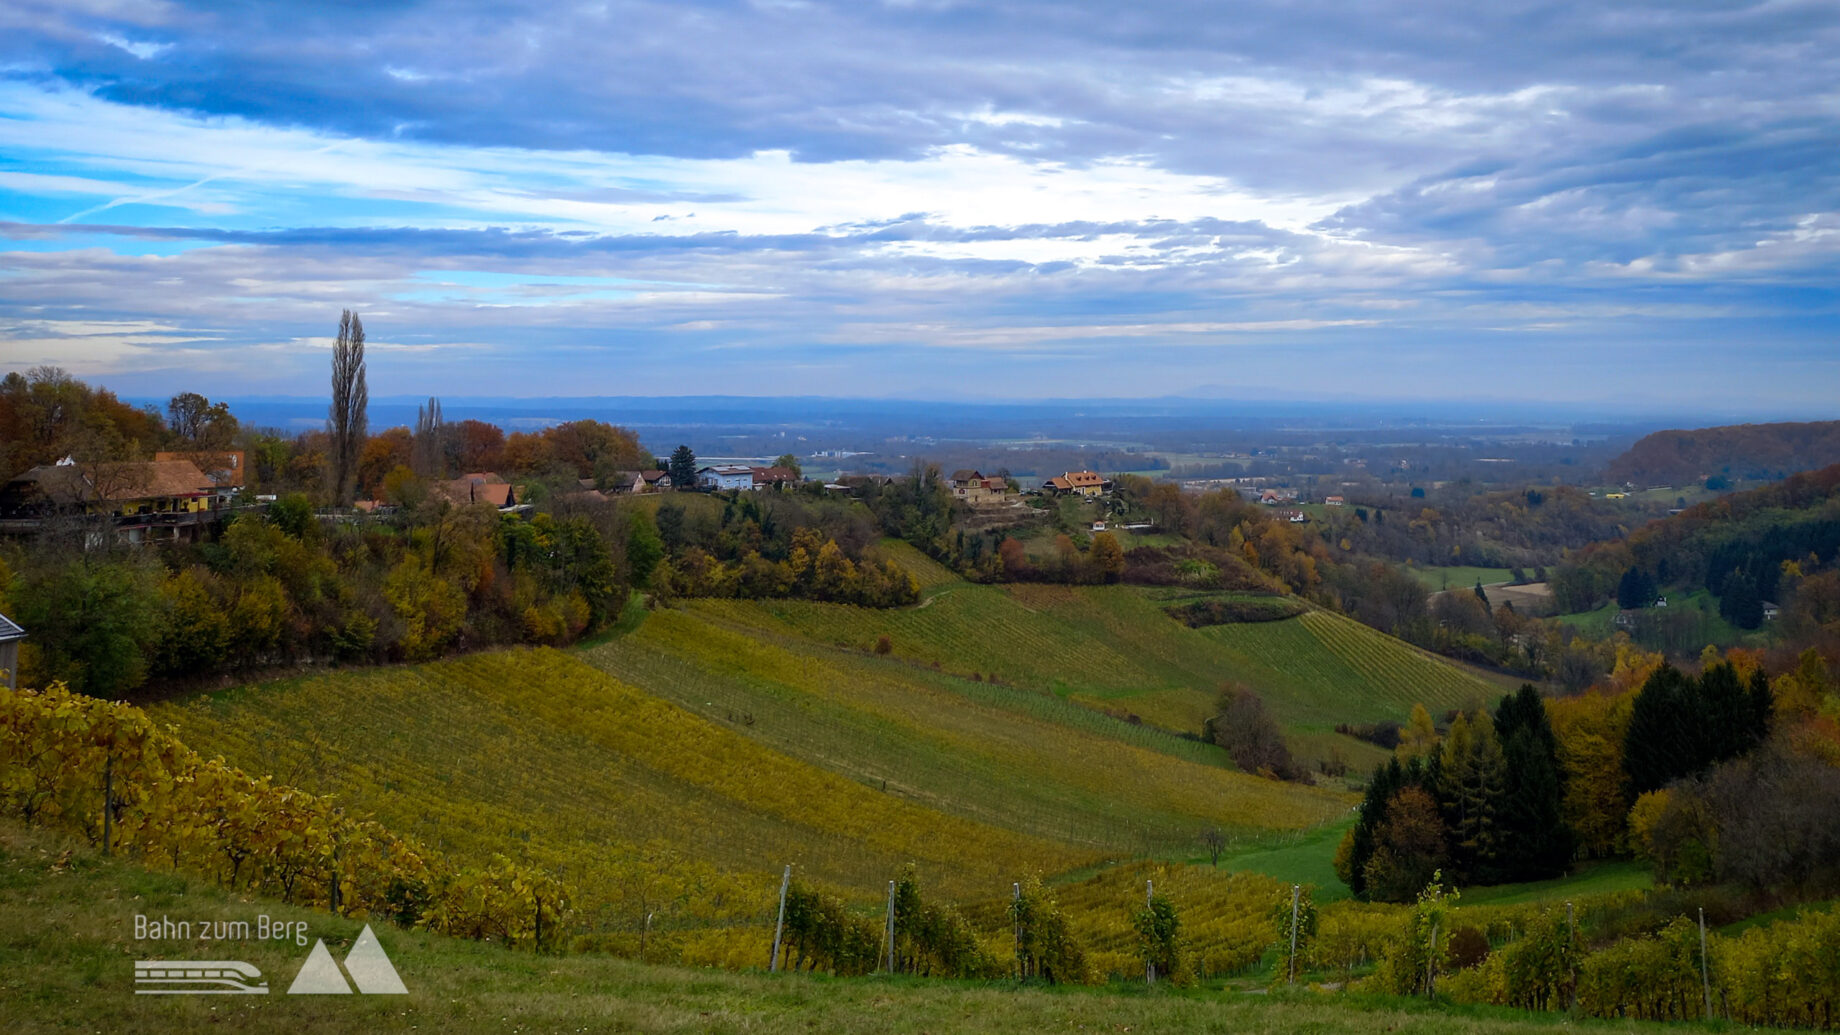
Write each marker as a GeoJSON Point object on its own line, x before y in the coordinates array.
{"type": "Point", "coordinates": [66, 934]}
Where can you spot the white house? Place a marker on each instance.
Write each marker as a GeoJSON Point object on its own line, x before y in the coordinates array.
{"type": "Point", "coordinates": [726, 476]}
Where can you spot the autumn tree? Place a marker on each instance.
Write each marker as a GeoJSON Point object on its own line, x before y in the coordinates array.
{"type": "Point", "coordinates": [1419, 738]}
{"type": "Point", "coordinates": [1409, 847]}
{"type": "Point", "coordinates": [347, 422]}
{"type": "Point", "coordinates": [1106, 557]}
{"type": "Point", "coordinates": [474, 445]}
{"type": "Point", "coordinates": [1247, 731]}
{"type": "Point", "coordinates": [198, 424]}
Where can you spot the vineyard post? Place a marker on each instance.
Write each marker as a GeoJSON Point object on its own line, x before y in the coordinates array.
{"type": "Point", "coordinates": [891, 927]}
{"type": "Point", "coordinates": [1705, 976]}
{"type": "Point", "coordinates": [779, 926]}
{"type": "Point", "coordinates": [332, 893]}
{"type": "Point", "coordinates": [1431, 964]}
{"type": "Point", "coordinates": [108, 795]}
{"type": "Point", "coordinates": [1571, 940]}
{"type": "Point", "coordinates": [1296, 892]}
{"type": "Point", "coordinates": [1149, 903]}
{"type": "Point", "coordinates": [1016, 927]}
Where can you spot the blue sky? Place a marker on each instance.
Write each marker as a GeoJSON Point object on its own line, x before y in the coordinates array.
{"type": "Point", "coordinates": [1619, 205]}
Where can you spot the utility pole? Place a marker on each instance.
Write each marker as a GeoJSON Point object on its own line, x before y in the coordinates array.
{"type": "Point", "coordinates": [779, 926]}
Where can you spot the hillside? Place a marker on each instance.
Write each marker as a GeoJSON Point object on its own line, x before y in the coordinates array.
{"type": "Point", "coordinates": [534, 754]}
{"type": "Point", "coordinates": [1753, 452]}
{"type": "Point", "coordinates": [66, 913]}
{"type": "Point", "coordinates": [1114, 648]}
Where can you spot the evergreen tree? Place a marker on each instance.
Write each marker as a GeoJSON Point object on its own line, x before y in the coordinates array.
{"type": "Point", "coordinates": [1680, 726]}
{"type": "Point", "coordinates": [682, 468]}
{"type": "Point", "coordinates": [1470, 787]}
{"type": "Point", "coordinates": [1637, 588]}
{"type": "Point", "coordinates": [1535, 841]}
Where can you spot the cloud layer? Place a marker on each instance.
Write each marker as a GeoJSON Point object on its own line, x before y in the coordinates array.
{"type": "Point", "coordinates": [1621, 203]}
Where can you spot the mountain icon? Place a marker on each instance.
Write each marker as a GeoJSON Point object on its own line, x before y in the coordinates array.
{"type": "Point", "coordinates": [369, 967]}
{"type": "Point", "coordinates": [319, 976]}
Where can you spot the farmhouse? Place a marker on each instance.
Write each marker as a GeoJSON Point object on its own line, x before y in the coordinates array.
{"type": "Point", "coordinates": [479, 487]}
{"type": "Point", "coordinates": [725, 476]}
{"type": "Point", "coordinates": [974, 487]}
{"type": "Point", "coordinates": [224, 469]}
{"type": "Point", "coordinates": [1084, 483]}
{"type": "Point", "coordinates": [1333, 501]}
{"type": "Point", "coordinates": [635, 482]}
{"type": "Point", "coordinates": [773, 478]}
{"type": "Point", "coordinates": [146, 499]}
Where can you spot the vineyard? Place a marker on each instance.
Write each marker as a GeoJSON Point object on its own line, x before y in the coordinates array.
{"type": "Point", "coordinates": [641, 806]}
{"type": "Point", "coordinates": [1323, 668]}
{"type": "Point", "coordinates": [1114, 648]}
{"type": "Point", "coordinates": [1018, 758]}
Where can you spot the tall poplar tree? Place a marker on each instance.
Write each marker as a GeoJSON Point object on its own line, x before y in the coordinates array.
{"type": "Point", "coordinates": [347, 423]}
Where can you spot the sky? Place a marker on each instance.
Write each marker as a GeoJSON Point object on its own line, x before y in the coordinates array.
{"type": "Point", "coordinates": [1628, 205]}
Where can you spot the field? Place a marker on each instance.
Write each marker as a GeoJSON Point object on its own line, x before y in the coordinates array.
{"type": "Point", "coordinates": [66, 934]}
{"type": "Point", "coordinates": [1714, 629]}
{"type": "Point", "coordinates": [1459, 577]}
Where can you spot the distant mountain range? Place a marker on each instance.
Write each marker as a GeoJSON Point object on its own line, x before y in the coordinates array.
{"type": "Point", "coordinates": [1761, 452]}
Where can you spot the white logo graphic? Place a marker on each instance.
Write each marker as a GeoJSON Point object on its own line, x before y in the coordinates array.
{"type": "Point", "coordinates": [369, 968]}
{"type": "Point", "coordinates": [199, 977]}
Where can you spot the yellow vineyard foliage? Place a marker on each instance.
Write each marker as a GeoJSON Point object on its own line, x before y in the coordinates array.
{"type": "Point", "coordinates": [646, 809]}
{"type": "Point", "coordinates": [109, 772]}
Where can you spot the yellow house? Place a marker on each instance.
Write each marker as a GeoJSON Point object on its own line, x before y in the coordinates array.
{"type": "Point", "coordinates": [124, 489]}
{"type": "Point", "coordinates": [1086, 483]}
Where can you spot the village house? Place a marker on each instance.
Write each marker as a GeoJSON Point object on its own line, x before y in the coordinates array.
{"type": "Point", "coordinates": [974, 487]}
{"type": "Point", "coordinates": [225, 469]}
{"type": "Point", "coordinates": [1333, 501]}
{"type": "Point", "coordinates": [147, 500]}
{"type": "Point", "coordinates": [725, 476]}
{"type": "Point", "coordinates": [480, 487]}
{"type": "Point", "coordinates": [1084, 483]}
{"type": "Point", "coordinates": [773, 478]}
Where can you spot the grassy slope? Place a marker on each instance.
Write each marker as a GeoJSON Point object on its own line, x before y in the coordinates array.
{"type": "Point", "coordinates": [1112, 646]}
{"type": "Point", "coordinates": [1458, 577]}
{"type": "Point", "coordinates": [1015, 757]}
{"type": "Point", "coordinates": [65, 933]}
{"type": "Point", "coordinates": [533, 752]}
